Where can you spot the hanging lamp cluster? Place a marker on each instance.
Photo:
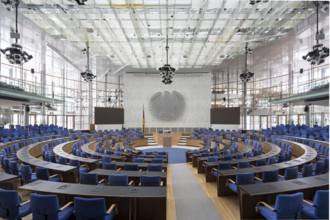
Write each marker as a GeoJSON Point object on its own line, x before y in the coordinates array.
{"type": "Point", "coordinates": [319, 53]}
{"type": "Point", "coordinates": [167, 72]}
{"type": "Point", "coordinates": [88, 75]}
{"type": "Point", "coordinates": [246, 75]}
{"type": "Point", "coordinates": [15, 54]}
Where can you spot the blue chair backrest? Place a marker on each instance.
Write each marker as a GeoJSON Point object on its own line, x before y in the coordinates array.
{"type": "Point", "coordinates": [62, 160]}
{"type": "Point", "coordinates": [106, 159]}
{"type": "Point", "coordinates": [9, 204]}
{"type": "Point", "coordinates": [155, 167]}
{"type": "Point", "coordinates": [14, 169]}
{"type": "Point", "coordinates": [75, 163]}
{"type": "Point", "coordinates": [88, 178]}
{"type": "Point", "coordinates": [224, 166]}
{"type": "Point", "coordinates": [270, 176]}
{"type": "Point", "coordinates": [244, 178]}
{"type": "Point", "coordinates": [307, 170]}
{"type": "Point", "coordinates": [44, 207]}
{"type": "Point", "coordinates": [271, 160]}
{"type": "Point", "coordinates": [109, 166]}
{"type": "Point", "coordinates": [118, 180]}
{"type": "Point", "coordinates": [156, 160]}
{"type": "Point", "coordinates": [26, 172]}
{"type": "Point", "coordinates": [132, 167]}
{"type": "Point", "coordinates": [150, 180]}
{"type": "Point", "coordinates": [239, 156]}
{"type": "Point", "coordinates": [319, 167]}
{"type": "Point", "coordinates": [243, 164]}
{"type": "Point", "coordinates": [212, 159]}
{"type": "Point", "coordinates": [42, 173]}
{"type": "Point", "coordinates": [89, 209]}
{"type": "Point", "coordinates": [138, 160]}
{"type": "Point", "coordinates": [321, 203]}
{"type": "Point", "coordinates": [261, 163]}
{"type": "Point", "coordinates": [288, 206]}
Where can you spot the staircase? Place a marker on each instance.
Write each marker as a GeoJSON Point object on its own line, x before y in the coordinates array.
{"type": "Point", "coordinates": [183, 141]}
{"type": "Point", "coordinates": [151, 140]}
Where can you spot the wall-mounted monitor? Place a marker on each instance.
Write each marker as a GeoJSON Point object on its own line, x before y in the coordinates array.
{"type": "Point", "coordinates": [225, 115]}
{"type": "Point", "coordinates": [108, 115]}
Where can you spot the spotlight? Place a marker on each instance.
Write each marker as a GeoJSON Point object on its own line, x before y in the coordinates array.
{"type": "Point", "coordinates": [317, 55]}
{"type": "Point", "coordinates": [10, 4]}
{"type": "Point", "coordinates": [16, 55]}
{"type": "Point", "coordinates": [167, 73]}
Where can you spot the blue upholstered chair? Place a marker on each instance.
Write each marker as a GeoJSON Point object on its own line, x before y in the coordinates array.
{"type": "Point", "coordinates": [118, 180]}
{"type": "Point", "coordinates": [268, 176]}
{"type": "Point", "coordinates": [46, 207]}
{"type": "Point", "coordinates": [93, 208]}
{"type": "Point", "coordinates": [262, 162]}
{"type": "Point", "coordinates": [243, 164]}
{"type": "Point", "coordinates": [290, 173]}
{"type": "Point", "coordinates": [82, 168]}
{"type": "Point", "coordinates": [109, 166]}
{"type": "Point", "coordinates": [138, 160]}
{"type": "Point", "coordinates": [43, 174]}
{"type": "Point", "coordinates": [212, 159]}
{"type": "Point", "coordinates": [61, 160]}
{"type": "Point", "coordinates": [156, 160]}
{"type": "Point", "coordinates": [221, 166]}
{"type": "Point", "coordinates": [150, 181]}
{"type": "Point", "coordinates": [319, 167]}
{"type": "Point", "coordinates": [287, 206]}
{"type": "Point", "coordinates": [155, 167]}
{"type": "Point", "coordinates": [307, 170]}
{"type": "Point", "coordinates": [27, 175]}
{"type": "Point", "coordinates": [239, 156]}
{"type": "Point", "coordinates": [131, 167]}
{"type": "Point", "coordinates": [271, 160]}
{"type": "Point", "coordinates": [14, 168]}
{"type": "Point", "coordinates": [319, 209]}
{"type": "Point", "coordinates": [90, 179]}
{"type": "Point", "coordinates": [241, 179]}
{"type": "Point", "coordinates": [11, 207]}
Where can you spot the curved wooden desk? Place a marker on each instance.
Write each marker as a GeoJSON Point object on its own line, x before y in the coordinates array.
{"type": "Point", "coordinates": [8, 181]}
{"type": "Point", "coordinates": [147, 203]}
{"type": "Point", "coordinates": [308, 155]}
{"type": "Point", "coordinates": [29, 153]}
{"type": "Point", "coordinates": [132, 175]}
{"type": "Point", "coordinates": [209, 177]}
{"type": "Point", "coordinates": [250, 194]}
{"type": "Point", "coordinates": [62, 150]}
{"type": "Point", "coordinates": [87, 149]}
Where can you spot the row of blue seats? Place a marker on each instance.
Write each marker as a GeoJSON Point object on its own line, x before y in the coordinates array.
{"type": "Point", "coordinates": [47, 207]}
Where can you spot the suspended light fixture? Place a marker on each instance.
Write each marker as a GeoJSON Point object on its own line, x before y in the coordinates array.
{"type": "Point", "coordinates": [88, 74]}
{"type": "Point", "coordinates": [245, 77]}
{"type": "Point", "coordinates": [167, 72]}
{"type": "Point", "coordinates": [10, 4]}
{"type": "Point", "coordinates": [15, 54]}
{"type": "Point", "coordinates": [319, 53]}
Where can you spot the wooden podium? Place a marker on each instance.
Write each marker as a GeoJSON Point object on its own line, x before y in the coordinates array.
{"type": "Point", "coordinates": [167, 141]}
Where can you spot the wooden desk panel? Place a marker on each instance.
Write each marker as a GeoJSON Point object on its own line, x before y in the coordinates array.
{"type": "Point", "coordinates": [250, 194]}
{"type": "Point", "coordinates": [147, 203]}
{"type": "Point", "coordinates": [8, 181]}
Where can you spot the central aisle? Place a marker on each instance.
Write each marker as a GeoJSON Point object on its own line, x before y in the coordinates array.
{"type": "Point", "coordinates": [191, 202]}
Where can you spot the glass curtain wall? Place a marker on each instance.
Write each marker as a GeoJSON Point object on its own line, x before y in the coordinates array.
{"type": "Point", "coordinates": [54, 72]}
{"type": "Point", "coordinates": [279, 72]}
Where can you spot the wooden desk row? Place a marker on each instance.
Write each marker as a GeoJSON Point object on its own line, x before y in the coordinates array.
{"type": "Point", "coordinates": [309, 155]}
{"type": "Point", "coordinates": [209, 177]}
{"type": "Point", "coordinates": [8, 181]}
{"type": "Point", "coordinates": [87, 149]}
{"type": "Point", "coordinates": [250, 194]}
{"type": "Point", "coordinates": [147, 203]}
{"type": "Point", "coordinates": [132, 175]}
{"type": "Point", "coordinates": [29, 154]}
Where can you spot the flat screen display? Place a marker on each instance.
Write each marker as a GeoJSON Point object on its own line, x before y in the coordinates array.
{"type": "Point", "coordinates": [225, 115]}
{"type": "Point", "coordinates": [109, 115]}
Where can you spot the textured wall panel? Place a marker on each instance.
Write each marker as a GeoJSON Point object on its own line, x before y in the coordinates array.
{"type": "Point", "coordinates": [194, 89]}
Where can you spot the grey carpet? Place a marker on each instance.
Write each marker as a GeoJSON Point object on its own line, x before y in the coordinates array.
{"type": "Point", "coordinates": [191, 202]}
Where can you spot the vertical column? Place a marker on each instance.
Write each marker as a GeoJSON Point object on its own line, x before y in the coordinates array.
{"type": "Point", "coordinates": [307, 118]}
{"type": "Point", "coordinates": [43, 80]}
{"type": "Point", "coordinates": [290, 80]}
{"type": "Point", "coordinates": [63, 96]}
{"type": "Point", "coordinates": [270, 117]}
{"type": "Point", "coordinates": [228, 69]}
{"type": "Point", "coordinates": [106, 94]}
{"type": "Point", "coordinates": [244, 104]}
{"type": "Point", "coordinates": [90, 106]}
{"type": "Point", "coordinates": [26, 115]}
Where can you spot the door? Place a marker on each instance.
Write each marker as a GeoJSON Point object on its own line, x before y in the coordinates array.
{"type": "Point", "coordinates": [282, 119]}
{"type": "Point", "coordinates": [302, 119]}
{"type": "Point", "coordinates": [70, 119]}
{"type": "Point", "coordinates": [52, 119]}
{"type": "Point", "coordinates": [263, 122]}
